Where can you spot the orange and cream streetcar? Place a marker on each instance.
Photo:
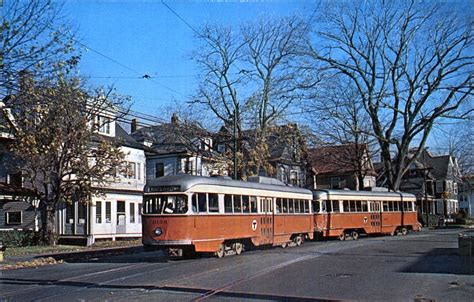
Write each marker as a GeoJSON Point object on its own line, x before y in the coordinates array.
{"type": "Point", "coordinates": [348, 214]}
{"type": "Point", "coordinates": [185, 213]}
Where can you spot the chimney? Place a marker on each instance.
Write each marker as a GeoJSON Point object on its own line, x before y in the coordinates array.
{"type": "Point", "coordinates": [133, 125]}
{"type": "Point", "coordinates": [174, 119]}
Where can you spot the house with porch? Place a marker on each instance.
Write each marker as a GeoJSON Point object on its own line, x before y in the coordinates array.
{"type": "Point", "coordinates": [114, 213]}
{"type": "Point", "coordinates": [434, 180]}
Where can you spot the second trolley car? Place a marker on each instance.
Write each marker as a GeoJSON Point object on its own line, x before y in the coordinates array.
{"type": "Point", "coordinates": [348, 214]}
{"type": "Point", "coordinates": [185, 213]}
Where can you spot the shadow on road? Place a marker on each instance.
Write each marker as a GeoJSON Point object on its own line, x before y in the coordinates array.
{"type": "Point", "coordinates": [442, 261]}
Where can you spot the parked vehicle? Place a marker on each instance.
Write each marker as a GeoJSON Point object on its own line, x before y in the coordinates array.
{"type": "Point", "coordinates": [349, 214]}
{"type": "Point", "coordinates": [185, 214]}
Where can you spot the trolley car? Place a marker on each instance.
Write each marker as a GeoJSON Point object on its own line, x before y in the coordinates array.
{"type": "Point", "coordinates": [185, 213]}
{"type": "Point", "coordinates": [348, 214]}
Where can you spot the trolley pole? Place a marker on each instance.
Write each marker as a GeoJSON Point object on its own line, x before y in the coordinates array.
{"type": "Point", "coordinates": [235, 142]}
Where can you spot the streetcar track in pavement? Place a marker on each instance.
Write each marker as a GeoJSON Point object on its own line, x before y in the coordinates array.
{"type": "Point", "coordinates": [100, 284]}
{"type": "Point", "coordinates": [52, 283]}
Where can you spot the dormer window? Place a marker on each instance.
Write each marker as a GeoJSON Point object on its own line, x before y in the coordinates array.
{"type": "Point", "coordinates": [102, 124]}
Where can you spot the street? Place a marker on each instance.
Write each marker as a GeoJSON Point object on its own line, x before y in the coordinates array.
{"type": "Point", "coordinates": [419, 266]}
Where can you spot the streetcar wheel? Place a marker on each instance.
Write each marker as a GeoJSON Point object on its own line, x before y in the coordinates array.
{"type": "Point", "coordinates": [342, 236]}
{"type": "Point", "coordinates": [238, 248]}
{"type": "Point", "coordinates": [298, 240]}
{"type": "Point", "coordinates": [355, 235]}
{"type": "Point", "coordinates": [221, 252]}
{"type": "Point", "coordinates": [404, 231]}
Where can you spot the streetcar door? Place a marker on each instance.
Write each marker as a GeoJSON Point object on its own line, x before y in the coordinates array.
{"type": "Point", "coordinates": [266, 220]}
{"type": "Point", "coordinates": [376, 216]}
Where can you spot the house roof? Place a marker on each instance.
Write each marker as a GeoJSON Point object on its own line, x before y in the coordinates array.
{"type": "Point", "coordinates": [7, 189]}
{"type": "Point", "coordinates": [172, 138]}
{"type": "Point", "coordinates": [338, 159]}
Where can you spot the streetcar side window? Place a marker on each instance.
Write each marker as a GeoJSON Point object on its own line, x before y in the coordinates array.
{"type": "Point", "coordinates": [345, 205]}
{"type": "Point", "coordinates": [316, 207]}
{"type": "Point", "coordinates": [323, 206]}
{"type": "Point", "coordinates": [328, 205]}
{"type": "Point", "coordinates": [237, 204]}
{"type": "Point", "coordinates": [364, 206]}
{"type": "Point", "coordinates": [285, 205]}
{"type": "Point", "coordinates": [202, 204]}
{"type": "Point", "coordinates": [213, 203]}
{"type": "Point", "coordinates": [253, 204]}
{"type": "Point", "coordinates": [335, 206]}
{"type": "Point", "coordinates": [291, 205]}
{"type": "Point", "coordinates": [352, 206]}
{"type": "Point", "coordinates": [228, 203]}
{"type": "Point", "coordinates": [245, 204]}
{"type": "Point", "coordinates": [385, 206]}
{"type": "Point", "coordinates": [306, 206]}
{"type": "Point", "coordinates": [278, 205]}
{"type": "Point", "coordinates": [358, 206]}
{"type": "Point", "coordinates": [195, 203]}
{"type": "Point", "coordinates": [396, 206]}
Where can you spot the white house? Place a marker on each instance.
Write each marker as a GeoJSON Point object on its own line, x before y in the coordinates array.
{"type": "Point", "coordinates": [466, 196]}
{"type": "Point", "coordinates": [116, 212]}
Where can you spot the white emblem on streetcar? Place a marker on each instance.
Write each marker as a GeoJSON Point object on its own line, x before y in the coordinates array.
{"type": "Point", "coordinates": [254, 225]}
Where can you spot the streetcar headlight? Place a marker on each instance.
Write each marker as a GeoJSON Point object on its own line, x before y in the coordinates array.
{"type": "Point", "coordinates": [158, 231]}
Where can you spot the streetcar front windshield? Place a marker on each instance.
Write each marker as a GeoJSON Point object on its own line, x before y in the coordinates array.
{"type": "Point", "coordinates": [166, 204]}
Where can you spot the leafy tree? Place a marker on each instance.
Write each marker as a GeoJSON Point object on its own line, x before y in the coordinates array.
{"type": "Point", "coordinates": [411, 63]}
{"type": "Point", "coordinates": [59, 152]}
{"type": "Point", "coordinates": [35, 37]}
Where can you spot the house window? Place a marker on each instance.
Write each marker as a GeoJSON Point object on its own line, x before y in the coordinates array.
{"type": "Point", "coordinates": [335, 183]}
{"type": "Point", "coordinates": [159, 170]}
{"type": "Point", "coordinates": [132, 212]}
{"type": "Point", "coordinates": [15, 179]}
{"type": "Point", "coordinates": [221, 148]}
{"type": "Point", "coordinates": [131, 171]}
{"type": "Point", "coordinates": [139, 171]}
{"type": "Point", "coordinates": [455, 188]}
{"type": "Point", "coordinates": [108, 212]}
{"type": "Point", "coordinates": [13, 217]}
{"type": "Point", "coordinates": [98, 212]}
{"type": "Point", "coordinates": [294, 178]}
{"type": "Point", "coordinates": [439, 186]}
{"type": "Point", "coordinates": [102, 124]}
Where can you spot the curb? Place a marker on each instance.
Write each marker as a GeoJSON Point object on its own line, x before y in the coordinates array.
{"type": "Point", "coordinates": [93, 253]}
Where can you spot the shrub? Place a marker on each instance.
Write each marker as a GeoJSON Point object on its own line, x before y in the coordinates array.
{"type": "Point", "coordinates": [17, 238]}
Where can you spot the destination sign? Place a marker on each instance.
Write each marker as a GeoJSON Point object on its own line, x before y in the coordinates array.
{"type": "Point", "coordinates": [164, 189]}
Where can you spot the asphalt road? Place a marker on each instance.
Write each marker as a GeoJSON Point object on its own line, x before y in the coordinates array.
{"type": "Point", "coordinates": [419, 266]}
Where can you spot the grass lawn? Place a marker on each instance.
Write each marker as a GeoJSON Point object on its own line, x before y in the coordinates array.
{"type": "Point", "coordinates": [36, 250]}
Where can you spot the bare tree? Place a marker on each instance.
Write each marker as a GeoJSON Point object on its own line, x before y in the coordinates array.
{"type": "Point", "coordinates": [250, 76]}
{"type": "Point", "coordinates": [59, 152]}
{"type": "Point", "coordinates": [411, 64]}
{"type": "Point", "coordinates": [33, 37]}
{"type": "Point", "coordinates": [337, 116]}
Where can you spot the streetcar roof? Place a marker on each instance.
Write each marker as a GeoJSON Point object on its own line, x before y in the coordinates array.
{"type": "Point", "coordinates": [186, 182]}
{"type": "Point", "coordinates": [319, 194]}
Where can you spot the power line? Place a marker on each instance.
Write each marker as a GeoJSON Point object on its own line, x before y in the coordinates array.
{"type": "Point", "coordinates": [180, 18]}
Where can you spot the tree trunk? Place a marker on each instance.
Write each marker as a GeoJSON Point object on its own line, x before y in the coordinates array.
{"type": "Point", "coordinates": [49, 224]}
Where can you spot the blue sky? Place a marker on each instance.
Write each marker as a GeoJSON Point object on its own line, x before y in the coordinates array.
{"type": "Point", "coordinates": [149, 39]}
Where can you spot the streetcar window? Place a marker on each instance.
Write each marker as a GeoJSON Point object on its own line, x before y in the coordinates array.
{"type": "Point", "coordinates": [395, 206]}
{"type": "Point", "coordinates": [166, 204]}
{"type": "Point", "coordinates": [297, 206]}
{"type": "Point", "coordinates": [327, 205]}
{"type": "Point", "coordinates": [306, 206]}
{"type": "Point", "coordinates": [364, 206]}
{"type": "Point", "coordinates": [253, 204]}
{"type": "Point", "coordinates": [291, 205]}
{"type": "Point", "coordinates": [352, 207]}
{"type": "Point", "coordinates": [278, 205]}
{"type": "Point", "coordinates": [345, 205]}
{"type": "Point", "coordinates": [228, 203]}
{"type": "Point", "coordinates": [285, 205]}
{"type": "Point", "coordinates": [323, 206]}
{"type": "Point", "coordinates": [358, 206]}
{"type": "Point", "coordinates": [213, 203]}
{"type": "Point", "coordinates": [245, 204]}
{"type": "Point", "coordinates": [237, 204]}
{"type": "Point", "coordinates": [385, 206]}
{"type": "Point", "coordinates": [315, 206]}
{"type": "Point", "coordinates": [410, 206]}
{"type": "Point", "coordinates": [335, 205]}
{"type": "Point", "coordinates": [202, 204]}
{"type": "Point", "coordinates": [390, 206]}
